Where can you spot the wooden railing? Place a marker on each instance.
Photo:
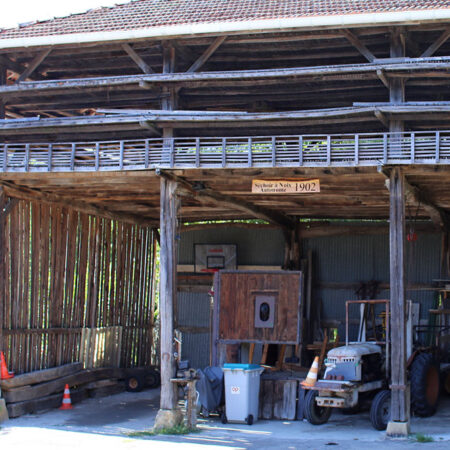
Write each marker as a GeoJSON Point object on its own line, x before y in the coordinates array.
{"type": "Point", "coordinates": [428, 147]}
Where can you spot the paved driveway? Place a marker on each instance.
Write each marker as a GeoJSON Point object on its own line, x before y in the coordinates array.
{"type": "Point", "coordinates": [105, 423]}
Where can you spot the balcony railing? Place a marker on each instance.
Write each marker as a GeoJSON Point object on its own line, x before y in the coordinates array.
{"type": "Point", "coordinates": [232, 152]}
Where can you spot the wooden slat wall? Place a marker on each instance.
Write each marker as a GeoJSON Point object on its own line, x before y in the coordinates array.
{"type": "Point", "coordinates": [64, 271]}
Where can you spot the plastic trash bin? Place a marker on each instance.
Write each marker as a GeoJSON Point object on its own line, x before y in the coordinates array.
{"type": "Point", "coordinates": [241, 392]}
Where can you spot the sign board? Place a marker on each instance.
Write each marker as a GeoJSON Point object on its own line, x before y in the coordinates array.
{"type": "Point", "coordinates": [214, 257]}
{"type": "Point", "coordinates": [285, 186]}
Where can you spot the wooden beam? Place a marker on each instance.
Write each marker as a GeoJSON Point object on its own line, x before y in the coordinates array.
{"type": "Point", "coordinates": [382, 118]}
{"type": "Point", "coordinates": [151, 127]}
{"type": "Point", "coordinates": [25, 193]}
{"type": "Point", "coordinates": [207, 54]}
{"type": "Point", "coordinates": [382, 76]}
{"type": "Point", "coordinates": [403, 67]}
{"type": "Point", "coordinates": [137, 59]}
{"type": "Point", "coordinates": [15, 67]}
{"type": "Point", "coordinates": [436, 44]}
{"type": "Point", "coordinates": [2, 82]}
{"type": "Point", "coordinates": [396, 90]}
{"type": "Point", "coordinates": [34, 64]}
{"type": "Point", "coordinates": [168, 224]}
{"type": "Point", "coordinates": [355, 41]}
{"type": "Point", "coordinates": [400, 404]}
{"type": "Point", "coordinates": [208, 195]}
{"type": "Point", "coordinates": [416, 195]}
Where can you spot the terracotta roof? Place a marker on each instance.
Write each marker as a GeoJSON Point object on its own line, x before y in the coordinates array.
{"type": "Point", "coordinates": [144, 14]}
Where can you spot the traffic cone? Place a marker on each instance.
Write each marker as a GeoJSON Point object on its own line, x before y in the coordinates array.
{"type": "Point", "coordinates": [66, 402]}
{"type": "Point", "coordinates": [311, 378]}
{"type": "Point", "coordinates": [4, 374]}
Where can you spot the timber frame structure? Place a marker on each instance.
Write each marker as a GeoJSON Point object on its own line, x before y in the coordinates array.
{"type": "Point", "coordinates": [160, 124]}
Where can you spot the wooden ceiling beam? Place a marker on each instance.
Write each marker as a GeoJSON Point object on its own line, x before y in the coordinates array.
{"type": "Point", "coordinates": [438, 216]}
{"type": "Point", "coordinates": [436, 44]}
{"type": "Point", "coordinates": [207, 54]}
{"type": "Point", "coordinates": [34, 64]}
{"type": "Point", "coordinates": [208, 195]}
{"type": "Point", "coordinates": [137, 59]}
{"type": "Point", "coordinates": [355, 41]}
{"type": "Point", "coordinates": [25, 193]}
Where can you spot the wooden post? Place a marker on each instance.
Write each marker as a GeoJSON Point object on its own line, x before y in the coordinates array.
{"type": "Point", "coordinates": [396, 91]}
{"type": "Point", "coordinates": [169, 102]}
{"type": "Point", "coordinates": [2, 81]}
{"type": "Point", "coordinates": [400, 403]}
{"type": "Point", "coordinates": [167, 415]}
{"type": "Point", "coordinates": [2, 263]}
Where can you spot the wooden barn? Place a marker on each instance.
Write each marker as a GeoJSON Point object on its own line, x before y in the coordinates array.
{"type": "Point", "coordinates": [309, 118]}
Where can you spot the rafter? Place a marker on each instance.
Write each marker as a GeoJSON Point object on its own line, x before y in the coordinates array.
{"type": "Point", "coordinates": [438, 216]}
{"type": "Point", "coordinates": [354, 40]}
{"type": "Point", "coordinates": [34, 64]}
{"type": "Point", "coordinates": [436, 44]}
{"type": "Point", "coordinates": [137, 59]}
{"type": "Point", "coordinates": [25, 193]}
{"type": "Point", "coordinates": [207, 54]}
{"type": "Point", "coordinates": [205, 194]}
{"type": "Point", "coordinates": [382, 118]}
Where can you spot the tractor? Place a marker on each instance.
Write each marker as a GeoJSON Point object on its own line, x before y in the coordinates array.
{"type": "Point", "coordinates": [358, 373]}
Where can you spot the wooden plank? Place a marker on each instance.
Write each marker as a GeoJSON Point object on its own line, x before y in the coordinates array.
{"type": "Point", "coordinates": [301, 402]}
{"type": "Point", "coordinates": [408, 67]}
{"type": "Point", "coordinates": [285, 399]}
{"type": "Point", "coordinates": [40, 376]}
{"type": "Point", "coordinates": [266, 398]}
{"type": "Point", "coordinates": [69, 202]}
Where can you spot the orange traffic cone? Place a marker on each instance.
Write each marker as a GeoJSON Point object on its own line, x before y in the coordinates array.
{"type": "Point", "coordinates": [4, 374]}
{"type": "Point", "coordinates": [66, 402]}
{"type": "Point", "coordinates": [311, 379]}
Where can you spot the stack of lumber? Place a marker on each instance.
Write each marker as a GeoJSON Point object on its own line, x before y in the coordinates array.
{"type": "Point", "coordinates": [280, 397]}
{"type": "Point", "coordinates": [41, 390]}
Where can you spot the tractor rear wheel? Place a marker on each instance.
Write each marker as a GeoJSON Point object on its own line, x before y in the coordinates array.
{"type": "Point", "coordinates": [315, 414]}
{"type": "Point", "coordinates": [425, 384]}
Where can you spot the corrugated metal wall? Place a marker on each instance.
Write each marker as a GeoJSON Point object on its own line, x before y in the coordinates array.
{"type": "Point", "coordinates": [336, 259]}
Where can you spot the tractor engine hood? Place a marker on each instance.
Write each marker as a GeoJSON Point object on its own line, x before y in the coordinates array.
{"type": "Point", "coordinates": [354, 350]}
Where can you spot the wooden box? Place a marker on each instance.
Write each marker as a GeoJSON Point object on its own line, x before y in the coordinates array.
{"type": "Point", "coordinates": [256, 306]}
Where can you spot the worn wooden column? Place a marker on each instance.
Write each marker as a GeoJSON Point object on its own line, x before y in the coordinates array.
{"type": "Point", "coordinates": [396, 90]}
{"type": "Point", "coordinates": [400, 403]}
{"type": "Point", "coordinates": [168, 415]}
{"type": "Point", "coordinates": [2, 81]}
{"type": "Point", "coordinates": [2, 263]}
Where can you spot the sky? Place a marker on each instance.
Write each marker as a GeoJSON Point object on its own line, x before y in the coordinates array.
{"type": "Point", "coordinates": [21, 11]}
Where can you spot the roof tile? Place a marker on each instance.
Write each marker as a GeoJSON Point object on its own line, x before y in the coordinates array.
{"type": "Point", "coordinates": [139, 14]}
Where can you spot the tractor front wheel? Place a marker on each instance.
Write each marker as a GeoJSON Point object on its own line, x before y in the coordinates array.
{"type": "Point", "coordinates": [380, 411]}
{"type": "Point", "coordinates": [315, 414]}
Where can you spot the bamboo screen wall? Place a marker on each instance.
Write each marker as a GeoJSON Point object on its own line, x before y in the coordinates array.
{"type": "Point", "coordinates": [63, 273]}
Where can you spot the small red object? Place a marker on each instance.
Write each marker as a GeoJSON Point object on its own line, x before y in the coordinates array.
{"type": "Point", "coordinates": [66, 401]}
{"type": "Point", "coordinates": [411, 236]}
{"type": "Point", "coordinates": [4, 374]}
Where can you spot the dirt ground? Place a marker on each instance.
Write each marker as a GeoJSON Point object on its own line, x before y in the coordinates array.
{"type": "Point", "coordinates": [106, 423]}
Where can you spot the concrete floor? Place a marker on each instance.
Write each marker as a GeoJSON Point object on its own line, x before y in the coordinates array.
{"type": "Point", "coordinates": [105, 423]}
